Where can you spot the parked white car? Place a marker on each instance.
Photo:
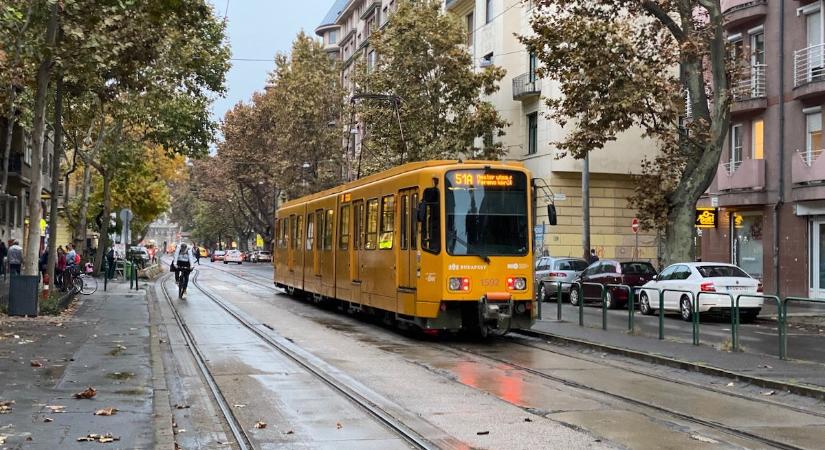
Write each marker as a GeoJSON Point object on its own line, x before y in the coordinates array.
{"type": "Point", "coordinates": [707, 278]}
{"type": "Point", "coordinates": [233, 256]}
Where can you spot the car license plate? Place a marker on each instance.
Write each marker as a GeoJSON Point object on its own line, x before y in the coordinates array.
{"type": "Point", "coordinates": [738, 288]}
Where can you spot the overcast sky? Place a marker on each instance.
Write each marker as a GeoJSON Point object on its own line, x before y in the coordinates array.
{"type": "Point", "coordinates": [257, 30]}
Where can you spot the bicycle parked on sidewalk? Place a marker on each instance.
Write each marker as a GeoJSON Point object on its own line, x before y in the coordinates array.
{"type": "Point", "coordinates": [80, 282]}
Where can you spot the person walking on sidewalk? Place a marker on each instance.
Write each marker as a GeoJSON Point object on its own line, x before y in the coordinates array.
{"type": "Point", "coordinates": [593, 256]}
{"type": "Point", "coordinates": [15, 258]}
{"type": "Point", "coordinates": [3, 252]}
{"type": "Point", "coordinates": [60, 268]}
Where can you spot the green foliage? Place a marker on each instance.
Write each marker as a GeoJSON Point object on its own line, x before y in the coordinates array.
{"type": "Point", "coordinates": [422, 60]}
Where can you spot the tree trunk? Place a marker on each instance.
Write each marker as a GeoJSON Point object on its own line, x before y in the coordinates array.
{"type": "Point", "coordinates": [680, 233]}
{"type": "Point", "coordinates": [103, 242]}
{"type": "Point", "coordinates": [55, 169]}
{"type": "Point", "coordinates": [44, 73]}
{"type": "Point", "coordinates": [80, 231]}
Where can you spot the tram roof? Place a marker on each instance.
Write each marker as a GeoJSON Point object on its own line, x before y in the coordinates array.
{"type": "Point", "coordinates": [397, 171]}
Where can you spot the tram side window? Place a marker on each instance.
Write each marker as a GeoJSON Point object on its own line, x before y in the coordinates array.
{"type": "Point", "coordinates": [413, 222]}
{"type": "Point", "coordinates": [299, 231]}
{"type": "Point", "coordinates": [430, 221]}
{"type": "Point", "coordinates": [292, 232]}
{"type": "Point", "coordinates": [319, 227]}
{"type": "Point", "coordinates": [279, 224]}
{"type": "Point", "coordinates": [372, 224]}
{"type": "Point", "coordinates": [405, 214]}
{"type": "Point", "coordinates": [387, 222]}
{"type": "Point", "coordinates": [343, 228]}
{"type": "Point", "coordinates": [310, 230]}
{"type": "Point", "coordinates": [328, 226]}
{"type": "Point", "coordinates": [358, 229]}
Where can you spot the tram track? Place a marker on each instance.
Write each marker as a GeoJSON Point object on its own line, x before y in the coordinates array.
{"type": "Point", "coordinates": [658, 409]}
{"type": "Point", "coordinates": [239, 435]}
{"type": "Point", "coordinates": [349, 392]}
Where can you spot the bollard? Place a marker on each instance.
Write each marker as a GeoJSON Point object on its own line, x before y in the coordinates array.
{"type": "Point", "coordinates": [581, 304]}
{"type": "Point", "coordinates": [604, 308]}
{"type": "Point", "coordinates": [558, 302]}
{"type": "Point", "coordinates": [661, 315]}
{"type": "Point", "coordinates": [105, 274]}
{"type": "Point", "coordinates": [631, 313]}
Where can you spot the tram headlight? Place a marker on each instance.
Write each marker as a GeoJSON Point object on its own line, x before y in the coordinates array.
{"type": "Point", "coordinates": [459, 284]}
{"type": "Point", "coordinates": [516, 283]}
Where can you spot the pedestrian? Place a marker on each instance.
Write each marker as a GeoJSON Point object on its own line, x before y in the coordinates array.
{"type": "Point", "coordinates": [43, 264]}
{"type": "Point", "coordinates": [197, 254]}
{"type": "Point", "coordinates": [110, 262]}
{"type": "Point", "coordinates": [3, 252]}
{"type": "Point", "coordinates": [59, 268]}
{"type": "Point", "coordinates": [15, 258]}
{"type": "Point", "coordinates": [593, 256]}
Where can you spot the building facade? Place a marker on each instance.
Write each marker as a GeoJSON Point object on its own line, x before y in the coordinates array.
{"type": "Point", "coordinates": [769, 191]}
{"type": "Point", "coordinates": [491, 25]}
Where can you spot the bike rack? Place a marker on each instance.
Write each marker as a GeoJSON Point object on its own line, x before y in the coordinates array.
{"type": "Point", "coordinates": [631, 304]}
{"type": "Point", "coordinates": [559, 296]}
{"type": "Point", "coordinates": [780, 312]}
{"type": "Point", "coordinates": [734, 318]}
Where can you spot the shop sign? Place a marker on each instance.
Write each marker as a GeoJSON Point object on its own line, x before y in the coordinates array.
{"type": "Point", "coordinates": [707, 217]}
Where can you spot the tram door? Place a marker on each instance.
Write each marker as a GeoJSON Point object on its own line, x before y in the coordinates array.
{"type": "Point", "coordinates": [355, 249]}
{"type": "Point", "coordinates": [406, 255]}
{"type": "Point", "coordinates": [319, 237]}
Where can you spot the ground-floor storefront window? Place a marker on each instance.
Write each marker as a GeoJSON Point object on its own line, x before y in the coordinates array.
{"type": "Point", "coordinates": [746, 242]}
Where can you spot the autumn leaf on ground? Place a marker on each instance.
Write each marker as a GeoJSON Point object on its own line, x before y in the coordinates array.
{"type": "Point", "coordinates": [102, 438]}
{"type": "Point", "coordinates": [57, 408]}
{"type": "Point", "coordinates": [106, 412]}
{"type": "Point", "coordinates": [48, 419]}
{"type": "Point", "coordinates": [260, 424]}
{"type": "Point", "coordinates": [88, 393]}
{"type": "Point", "coordinates": [36, 363]}
{"type": "Point", "coordinates": [5, 406]}
{"type": "Point", "coordinates": [338, 425]}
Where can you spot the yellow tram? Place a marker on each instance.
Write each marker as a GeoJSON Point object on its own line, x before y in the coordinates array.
{"type": "Point", "coordinates": [442, 245]}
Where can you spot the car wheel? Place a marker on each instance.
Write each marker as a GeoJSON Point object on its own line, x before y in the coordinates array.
{"type": "Point", "coordinates": [574, 297]}
{"type": "Point", "coordinates": [608, 299]}
{"type": "Point", "coordinates": [644, 304]}
{"type": "Point", "coordinates": [225, 262]}
{"type": "Point", "coordinates": [686, 309]}
{"type": "Point", "coordinates": [542, 293]}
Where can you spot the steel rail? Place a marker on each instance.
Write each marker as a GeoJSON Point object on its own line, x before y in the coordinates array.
{"type": "Point", "coordinates": [238, 433]}
{"type": "Point", "coordinates": [383, 417]}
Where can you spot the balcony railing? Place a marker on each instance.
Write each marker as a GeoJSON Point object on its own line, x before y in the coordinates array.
{"type": "Point", "coordinates": [526, 85]}
{"type": "Point", "coordinates": [809, 65]}
{"type": "Point", "coordinates": [808, 167]}
{"type": "Point", "coordinates": [750, 83]}
{"type": "Point", "coordinates": [743, 174]}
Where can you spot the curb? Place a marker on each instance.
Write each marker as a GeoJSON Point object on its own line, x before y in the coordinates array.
{"type": "Point", "coordinates": [794, 388]}
{"type": "Point", "coordinates": [161, 406]}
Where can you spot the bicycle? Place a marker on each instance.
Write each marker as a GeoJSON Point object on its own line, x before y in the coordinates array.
{"type": "Point", "coordinates": [82, 283]}
{"type": "Point", "coordinates": [183, 281]}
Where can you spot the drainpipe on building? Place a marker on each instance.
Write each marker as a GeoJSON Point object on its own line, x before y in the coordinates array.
{"type": "Point", "coordinates": [781, 194]}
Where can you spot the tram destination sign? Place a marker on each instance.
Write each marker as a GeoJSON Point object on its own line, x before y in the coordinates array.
{"type": "Point", "coordinates": [487, 179]}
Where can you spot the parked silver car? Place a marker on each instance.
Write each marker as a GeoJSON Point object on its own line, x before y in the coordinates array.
{"type": "Point", "coordinates": [550, 270]}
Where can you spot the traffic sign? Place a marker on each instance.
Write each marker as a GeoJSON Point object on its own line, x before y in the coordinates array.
{"type": "Point", "coordinates": [634, 225]}
{"type": "Point", "coordinates": [538, 229]}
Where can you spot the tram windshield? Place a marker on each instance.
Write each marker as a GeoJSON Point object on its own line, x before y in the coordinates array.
{"type": "Point", "coordinates": [486, 212]}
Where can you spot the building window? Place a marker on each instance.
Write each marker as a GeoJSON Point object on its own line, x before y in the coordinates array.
{"type": "Point", "coordinates": [746, 247]}
{"type": "Point", "coordinates": [332, 37]}
{"type": "Point", "coordinates": [487, 60]}
{"type": "Point", "coordinates": [532, 133]}
{"type": "Point", "coordinates": [470, 21]}
{"type": "Point", "coordinates": [735, 146]}
{"type": "Point", "coordinates": [758, 142]}
{"type": "Point", "coordinates": [370, 60]}
{"type": "Point", "coordinates": [813, 136]}
{"type": "Point", "coordinates": [532, 64]}
{"type": "Point", "coordinates": [488, 10]}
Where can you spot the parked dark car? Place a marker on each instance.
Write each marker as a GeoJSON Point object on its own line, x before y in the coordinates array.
{"type": "Point", "coordinates": [551, 270]}
{"type": "Point", "coordinates": [604, 272]}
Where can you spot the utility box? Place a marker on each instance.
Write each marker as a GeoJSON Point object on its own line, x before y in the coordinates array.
{"type": "Point", "coordinates": [23, 295]}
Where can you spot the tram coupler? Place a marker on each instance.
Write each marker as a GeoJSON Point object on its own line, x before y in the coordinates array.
{"type": "Point", "coordinates": [496, 308]}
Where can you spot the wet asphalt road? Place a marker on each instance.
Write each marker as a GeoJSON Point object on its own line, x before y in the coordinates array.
{"type": "Point", "coordinates": [384, 357]}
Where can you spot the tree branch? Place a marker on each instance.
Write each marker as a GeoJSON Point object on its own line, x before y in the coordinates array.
{"type": "Point", "coordinates": [656, 11]}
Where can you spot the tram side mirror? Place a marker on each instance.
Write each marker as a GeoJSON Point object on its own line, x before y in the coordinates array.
{"type": "Point", "coordinates": [551, 215]}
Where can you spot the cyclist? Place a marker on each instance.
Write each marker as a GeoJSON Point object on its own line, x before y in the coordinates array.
{"type": "Point", "coordinates": [183, 261]}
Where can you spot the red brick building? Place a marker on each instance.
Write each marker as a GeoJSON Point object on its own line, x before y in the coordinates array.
{"type": "Point", "coordinates": [770, 184]}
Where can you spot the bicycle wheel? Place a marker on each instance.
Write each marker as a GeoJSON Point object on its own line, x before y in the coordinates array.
{"type": "Point", "coordinates": [89, 285]}
{"type": "Point", "coordinates": [77, 285]}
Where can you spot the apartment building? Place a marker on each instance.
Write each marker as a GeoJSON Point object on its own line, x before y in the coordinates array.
{"type": "Point", "coordinates": [491, 25]}
{"type": "Point", "coordinates": [491, 29]}
{"type": "Point", "coordinates": [769, 192]}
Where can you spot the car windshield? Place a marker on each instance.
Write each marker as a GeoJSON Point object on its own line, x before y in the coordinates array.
{"type": "Point", "coordinates": [571, 264]}
{"type": "Point", "coordinates": [638, 268]}
{"type": "Point", "coordinates": [263, 253]}
{"type": "Point", "coordinates": [721, 271]}
{"type": "Point", "coordinates": [486, 212]}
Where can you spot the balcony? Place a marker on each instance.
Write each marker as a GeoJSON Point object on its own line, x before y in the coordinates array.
{"type": "Point", "coordinates": [748, 174]}
{"type": "Point", "coordinates": [526, 86]}
{"type": "Point", "coordinates": [750, 90]}
{"type": "Point", "coordinates": [809, 72]}
{"type": "Point", "coordinates": [808, 167]}
{"type": "Point", "coordinates": [744, 11]}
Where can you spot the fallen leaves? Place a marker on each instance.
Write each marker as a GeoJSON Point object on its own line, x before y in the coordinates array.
{"type": "Point", "coordinates": [6, 406]}
{"type": "Point", "coordinates": [769, 393]}
{"type": "Point", "coordinates": [56, 409]}
{"type": "Point", "coordinates": [338, 425]}
{"type": "Point", "coordinates": [102, 438]}
{"type": "Point", "coordinates": [36, 363]}
{"type": "Point", "coordinates": [87, 394]}
{"type": "Point", "coordinates": [48, 420]}
{"type": "Point", "coordinates": [259, 424]}
{"type": "Point", "coordinates": [106, 412]}
{"type": "Point", "coordinates": [482, 433]}
{"type": "Point", "coordinates": [238, 405]}
{"type": "Point", "coordinates": [181, 406]}
{"type": "Point", "coordinates": [290, 432]}
{"type": "Point", "coordinates": [730, 384]}
{"type": "Point", "coordinates": [701, 438]}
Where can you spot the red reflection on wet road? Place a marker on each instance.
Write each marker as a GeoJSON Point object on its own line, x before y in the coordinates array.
{"type": "Point", "coordinates": [503, 381]}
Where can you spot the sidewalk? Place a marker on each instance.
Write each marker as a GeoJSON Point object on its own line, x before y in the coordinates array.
{"type": "Point", "coordinates": [799, 377]}
{"type": "Point", "coordinates": [102, 342]}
